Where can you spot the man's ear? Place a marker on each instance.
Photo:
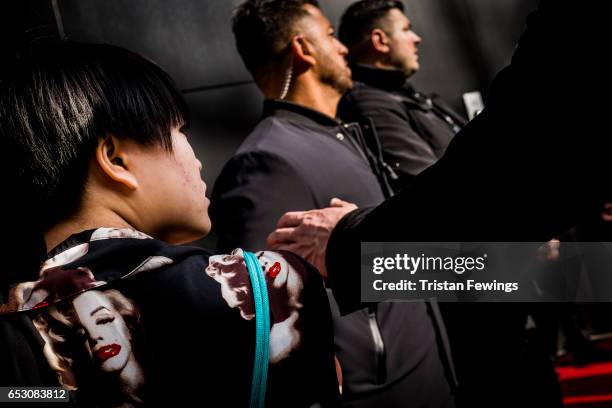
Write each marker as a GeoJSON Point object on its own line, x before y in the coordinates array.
{"type": "Point", "coordinates": [112, 156]}
{"type": "Point", "coordinates": [379, 41]}
{"type": "Point", "coordinates": [303, 51]}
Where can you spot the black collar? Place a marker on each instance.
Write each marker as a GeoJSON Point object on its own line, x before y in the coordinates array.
{"type": "Point", "coordinates": [71, 241]}
{"type": "Point", "coordinates": [298, 113]}
{"type": "Point", "coordinates": [387, 79]}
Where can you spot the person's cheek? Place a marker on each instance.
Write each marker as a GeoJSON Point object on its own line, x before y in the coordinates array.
{"type": "Point", "coordinates": [113, 333]}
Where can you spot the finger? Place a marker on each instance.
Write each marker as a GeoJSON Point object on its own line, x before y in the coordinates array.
{"type": "Point", "coordinates": [282, 246]}
{"type": "Point", "coordinates": [290, 219]}
{"type": "Point", "coordinates": [285, 246]}
{"type": "Point", "coordinates": [291, 248]}
{"type": "Point", "coordinates": [606, 215]}
{"type": "Point", "coordinates": [336, 202]}
{"type": "Point", "coordinates": [281, 235]}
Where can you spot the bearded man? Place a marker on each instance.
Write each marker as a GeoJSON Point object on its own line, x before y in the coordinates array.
{"type": "Point", "coordinates": [300, 157]}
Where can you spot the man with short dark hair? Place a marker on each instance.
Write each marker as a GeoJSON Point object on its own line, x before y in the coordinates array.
{"type": "Point", "coordinates": [300, 157]}
{"type": "Point", "coordinates": [414, 129]}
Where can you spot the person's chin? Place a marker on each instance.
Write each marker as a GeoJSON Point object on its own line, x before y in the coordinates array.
{"type": "Point", "coordinates": [206, 226]}
{"type": "Point", "coordinates": [203, 226]}
{"type": "Point", "coordinates": [349, 84]}
{"type": "Point", "coordinates": [194, 232]}
{"type": "Point", "coordinates": [114, 364]}
{"type": "Point", "coordinates": [344, 85]}
{"type": "Point", "coordinates": [410, 71]}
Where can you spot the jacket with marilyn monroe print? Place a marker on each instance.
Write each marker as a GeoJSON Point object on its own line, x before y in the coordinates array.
{"type": "Point", "coordinates": [123, 320]}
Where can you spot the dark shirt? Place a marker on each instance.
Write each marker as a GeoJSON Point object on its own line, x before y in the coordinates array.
{"type": "Point", "coordinates": [176, 320]}
{"type": "Point", "coordinates": [414, 129]}
{"type": "Point", "coordinates": [295, 159]}
{"type": "Point", "coordinates": [298, 159]}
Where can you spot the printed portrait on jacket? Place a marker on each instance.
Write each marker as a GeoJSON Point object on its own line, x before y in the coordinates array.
{"type": "Point", "coordinates": [285, 284]}
{"type": "Point", "coordinates": [91, 342]}
{"type": "Point", "coordinates": [90, 334]}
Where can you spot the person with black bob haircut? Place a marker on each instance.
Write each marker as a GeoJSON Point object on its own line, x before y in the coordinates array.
{"type": "Point", "coordinates": [96, 142]}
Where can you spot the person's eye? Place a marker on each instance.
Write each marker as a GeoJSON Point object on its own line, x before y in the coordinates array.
{"type": "Point", "coordinates": [105, 320]}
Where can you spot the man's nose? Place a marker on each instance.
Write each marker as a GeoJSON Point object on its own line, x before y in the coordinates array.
{"type": "Point", "coordinates": [342, 49]}
{"type": "Point", "coordinates": [417, 38]}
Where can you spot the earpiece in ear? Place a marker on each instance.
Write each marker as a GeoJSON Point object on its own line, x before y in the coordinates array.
{"type": "Point", "coordinates": [287, 83]}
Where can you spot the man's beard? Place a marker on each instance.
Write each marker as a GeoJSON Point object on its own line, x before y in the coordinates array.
{"type": "Point", "coordinates": [336, 77]}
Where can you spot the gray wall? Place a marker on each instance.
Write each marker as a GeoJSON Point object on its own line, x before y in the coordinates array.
{"type": "Point", "coordinates": [465, 42]}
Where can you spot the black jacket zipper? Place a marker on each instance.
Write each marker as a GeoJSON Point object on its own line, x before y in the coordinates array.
{"type": "Point", "coordinates": [380, 361]}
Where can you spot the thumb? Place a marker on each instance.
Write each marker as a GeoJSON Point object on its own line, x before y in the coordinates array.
{"type": "Point", "coordinates": [336, 202]}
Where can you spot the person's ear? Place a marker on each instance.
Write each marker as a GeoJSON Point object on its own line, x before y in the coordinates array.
{"type": "Point", "coordinates": [303, 51]}
{"type": "Point", "coordinates": [380, 41]}
{"type": "Point", "coordinates": [112, 156]}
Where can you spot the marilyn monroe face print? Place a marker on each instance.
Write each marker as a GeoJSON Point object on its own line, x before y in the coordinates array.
{"type": "Point", "coordinates": [284, 285]}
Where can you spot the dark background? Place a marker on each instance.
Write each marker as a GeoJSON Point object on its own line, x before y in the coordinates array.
{"type": "Point", "coordinates": [465, 42]}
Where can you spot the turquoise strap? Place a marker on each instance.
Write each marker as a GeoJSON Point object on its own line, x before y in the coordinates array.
{"type": "Point", "coordinates": [262, 331]}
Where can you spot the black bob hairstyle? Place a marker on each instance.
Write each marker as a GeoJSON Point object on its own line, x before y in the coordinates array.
{"type": "Point", "coordinates": [57, 100]}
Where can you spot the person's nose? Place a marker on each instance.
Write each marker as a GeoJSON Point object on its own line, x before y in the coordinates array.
{"type": "Point", "coordinates": [342, 48]}
{"type": "Point", "coordinates": [417, 39]}
{"type": "Point", "coordinates": [93, 340]}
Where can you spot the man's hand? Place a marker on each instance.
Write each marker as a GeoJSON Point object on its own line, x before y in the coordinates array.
{"type": "Point", "coordinates": [549, 252]}
{"type": "Point", "coordinates": [306, 232]}
{"type": "Point", "coordinates": [606, 214]}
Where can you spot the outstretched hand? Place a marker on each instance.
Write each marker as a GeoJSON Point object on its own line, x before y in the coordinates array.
{"type": "Point", "coordinates": [306, 233]}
